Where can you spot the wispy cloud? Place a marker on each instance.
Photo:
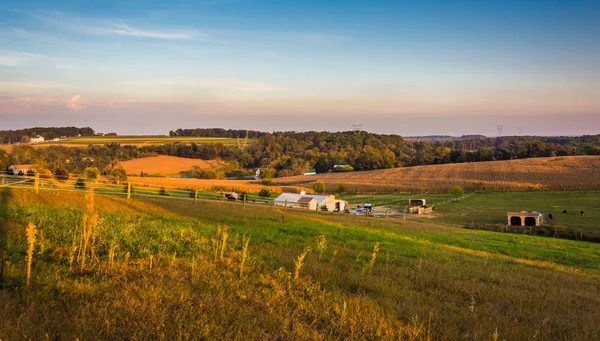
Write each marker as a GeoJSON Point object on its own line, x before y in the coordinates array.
{"type": "Point", "coordinates": [33, 85]}
{"type": "Point", "coordinates": [228, 84]}
{"type": "Point", "coordinates": [112, 27]}
{"type": "Point", "coordinates": [269, 54]}
{"type": "Point", "coordinates": [12, 58]}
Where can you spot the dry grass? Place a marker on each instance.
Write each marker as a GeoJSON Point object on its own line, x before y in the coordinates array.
{"type": "Point", "coordinates": [160, 276]}
{"type": "Point", "coordinates": [166, 165]}
{"type": "Point", "coordinates": [214, 185]}
{"type": "Point", "coordinates": [568, 172]}
{"type": "Point", "coordinates": [31, 232]}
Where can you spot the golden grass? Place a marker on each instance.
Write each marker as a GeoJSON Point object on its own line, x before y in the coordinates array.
{"type": "Point", "coordinates": [567, 172]}
{"type": "Point", "coordinates": [165, 165]}
{"type": "Point", "coordinates": [31, 231]}
{"type": "Point", "coordinates": [213, 185]}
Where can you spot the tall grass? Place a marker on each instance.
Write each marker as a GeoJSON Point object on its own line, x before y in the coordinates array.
{"type": "Point", "coordinates": [31, 231]}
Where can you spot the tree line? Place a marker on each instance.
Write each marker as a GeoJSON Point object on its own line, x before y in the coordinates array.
{"type": "Point", "coordinates": [49, 133]}
{"type": "Point", "coordinates": [290, 153]}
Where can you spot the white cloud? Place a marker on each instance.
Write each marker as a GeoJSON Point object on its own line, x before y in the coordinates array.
{"type": "Point", "coordinates": [228, 84]}
{"type": "Point", "coordinates": [269, 54]}
{"type": "Point", "coordinates": [12, 59]}
{"type": "Point", "coordinates": [111, 27]}
{"type": "Point", "coordinates": [75, 103]}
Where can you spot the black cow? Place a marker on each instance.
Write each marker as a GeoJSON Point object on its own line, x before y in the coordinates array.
{"type": "Point", "coordinates": [550, 216]}
{"type": "Point", "coordinates": [565, 211]}
{"type": "Point", "coordinates": [581, 212]}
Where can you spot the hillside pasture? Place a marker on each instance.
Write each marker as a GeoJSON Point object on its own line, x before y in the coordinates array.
{"type": "Point", "coordinates": [166, 165]}
{"type": "Point", "coordinates": [138, 140]}
{"type": "Point", "coordinates": [162, 269]}
{"type": "Point", "coordinates": [558, 173]}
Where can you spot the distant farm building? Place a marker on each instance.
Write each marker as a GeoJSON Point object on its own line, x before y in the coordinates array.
{"type": "Point", "coordinates": [310, 201]}
{"type": "Point", "coordinates": [231, 196]}
{"type": "Point", "coordinates": [37, 139]}
{"type": "Point", "coordinates": [23, 169]}
{"type": "Point", "coordinates": [418, 206]}
{"type": "Point", "coordinates": [310, 172]}
{"type": "Point", "coordinates": [524, 218]}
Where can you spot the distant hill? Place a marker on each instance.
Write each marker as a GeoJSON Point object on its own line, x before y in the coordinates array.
{"type": "Point", "coordinates": [443, 138]}
{"type": "Point", "coordinates": [568, 172]}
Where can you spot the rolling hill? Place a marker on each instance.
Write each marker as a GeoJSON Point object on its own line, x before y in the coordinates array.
{"type": "Point", "coordinates": [567, 172]}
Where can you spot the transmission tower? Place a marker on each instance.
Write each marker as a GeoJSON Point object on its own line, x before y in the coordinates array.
{"type": "Point", "coordinates": [357, 127]}
{"type": "Point", "coordinates": [500, 128]}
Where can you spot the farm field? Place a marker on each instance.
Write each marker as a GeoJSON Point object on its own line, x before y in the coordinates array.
{"type": "Point", "coordinates": [491, 208]}
{"type": "Point", "coordinates": [568, 172]}
{"type": "Point", "coordinates": [139, 140]}
{"type": "Point", "coordinates": [161, 267]}
{"type": "Point", "coordinates": [166, 165]}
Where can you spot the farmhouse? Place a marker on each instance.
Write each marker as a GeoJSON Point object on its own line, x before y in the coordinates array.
{"type": "Point", "coordinates": [38, 139]}
{"type": "Point", "coordinates": [16, 169]}
{"type": "Point", "coordinates": [310, 201]}
{"type": "Point", "coordinates": [524, 218]}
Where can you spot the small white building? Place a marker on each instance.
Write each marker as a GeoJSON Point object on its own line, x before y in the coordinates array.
{"type": "Point", "coordinates": [38, 139]}
{"type": "Point", "coordinates": [16, 169]}
{"type": "Point", "coordinates": [324, 202]}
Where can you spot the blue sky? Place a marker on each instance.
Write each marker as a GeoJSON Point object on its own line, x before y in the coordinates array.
{"type": "Point", "coordinates": [412, 68]}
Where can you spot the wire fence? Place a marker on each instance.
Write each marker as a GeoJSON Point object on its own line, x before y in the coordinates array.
{"type": "Point", "coordinates": [54, 182]}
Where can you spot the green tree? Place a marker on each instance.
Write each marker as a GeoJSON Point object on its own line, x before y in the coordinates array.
{"type": "Point", "coordinates": [340, 188]}
{"type": "Point", "coordinates": [267, 182]}
{"type": "Point", "coordinates": [91, 173]}
{"type": "Point", "coordinates": [458, 192]}
{"type": "Point", "coordinates": [319, 187]}
{"type": "Point", "coordinates": [264, 192]}
{"type": "Point", "coordinates": [80, 183]}
{"type": "Point", "coordinates": [119, 174]}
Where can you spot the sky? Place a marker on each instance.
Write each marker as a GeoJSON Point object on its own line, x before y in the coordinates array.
{"type": "Point", "coordinates": [396, 67]}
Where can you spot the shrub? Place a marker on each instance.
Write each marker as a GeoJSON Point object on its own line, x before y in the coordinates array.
{"type": "Point", "coordinates": [458, 192]}
{"type": "Point", "coordinates": [61, 175]}
{"type": "Point", "coordinates": [119, 174]}
{"type": "Point", "coordinates": [80, 183]}
{"type": "Point", "coordinates": [267, 182]}
{"type": "Point", "coordinates": [264, 192]}
{"type": "Point", "coordinates": [163, 191]}
{"type": "Point", "coordinates": [319, 187]}
{"type": "Point", "coordinates": [91, 173]}
{"type": "Point", "coordinates": [345, 168]}
{"type": "Point", "coordinates": [340, 188]}
{"type": "Point", "coordinates": [31, 172]}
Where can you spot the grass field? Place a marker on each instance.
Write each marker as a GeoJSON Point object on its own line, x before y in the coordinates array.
{"type": "Point", "coordinates": [161, 269]}
{"type": "Point", "coordinates": [166, 165]}
{"type": "Point", "coordinates": [139, 140]}
{"type": "Point", "coordinates": [491, 208]}
{"type": "Point", "coordinates": [569, 172]}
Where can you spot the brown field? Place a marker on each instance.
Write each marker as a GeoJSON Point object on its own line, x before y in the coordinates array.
{"type": "Point", "coordinates": [558, 173]}
{"type": "Point", "coordinates": [213, 185]}
{"type": "Point", "coordinates": [165, 165]}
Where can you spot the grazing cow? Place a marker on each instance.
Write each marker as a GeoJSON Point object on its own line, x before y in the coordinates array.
{"type": "Point", "coordinates": [550, 216]}
{"type": "Point", "coordinates": [581, 212]}
{"type": "Point", "coordinates": [565, 211]}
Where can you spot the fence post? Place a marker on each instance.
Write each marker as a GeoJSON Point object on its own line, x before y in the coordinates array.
{"type": "Point", "coordinates": [128, 190]}
{"type": "Point", "coordinates": [285, 205]}
{"type": "Point", "coordinates": [317, 210]}
{"type": "Point", "coordinates": [195, 195]}
{"type": "Point", "coordinates": [36, 183]}
{"type": "Point", "coordinates": [386, 212]}
{"type": "Point", "coordinates": [245, 197]}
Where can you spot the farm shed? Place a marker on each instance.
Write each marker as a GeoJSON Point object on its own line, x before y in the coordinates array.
{"type": "Point", "coordinates": [417, 202]}
{"type": "Point", "coordinates": [307, 203]}
{"type": "Point", "coordinates": [231, 196]}
{"type": "Point", "coordinates": [310, 172]}
{"type": "Point", "coordinates": [325, 202]}
{"type": "Point", "coordinates": [524, 218]}
{"type": "Point", "coordinates": [15, 169]}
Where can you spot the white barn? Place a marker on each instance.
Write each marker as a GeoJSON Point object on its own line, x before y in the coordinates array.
{"type": "Point", "coordinates": [328, 202]}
